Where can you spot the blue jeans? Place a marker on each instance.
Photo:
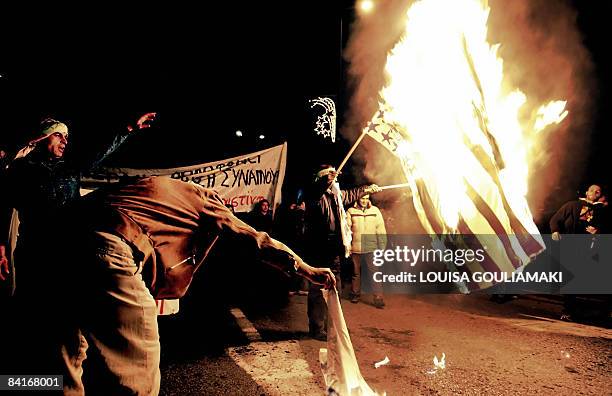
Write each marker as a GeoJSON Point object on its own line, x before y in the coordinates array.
{"type": "Point", "coordinates": [117, 329]}
{"type": "Point", "coordinates": [364, 261]}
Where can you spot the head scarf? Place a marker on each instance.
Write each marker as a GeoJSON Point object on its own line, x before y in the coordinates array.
{"type": "Point", "coordinates": [48, 127]}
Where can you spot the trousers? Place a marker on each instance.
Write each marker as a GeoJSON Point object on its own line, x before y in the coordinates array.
{"type": "Point", "coordinates": [112, 347]}
{"type": "Point", "coordinates": [364, 261]}
{"type": "Point", "coordinates": [317, 308]}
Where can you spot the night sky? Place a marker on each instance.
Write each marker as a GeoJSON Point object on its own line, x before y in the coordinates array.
{"type": "Point", "coordinates": [207, 72]}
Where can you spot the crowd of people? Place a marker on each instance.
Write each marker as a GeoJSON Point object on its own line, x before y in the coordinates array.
{"type": "Point", "coordinates": [107, 256]}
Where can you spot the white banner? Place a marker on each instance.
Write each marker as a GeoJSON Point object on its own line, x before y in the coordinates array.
{"type": "Point", "coordinates": [241, 181]}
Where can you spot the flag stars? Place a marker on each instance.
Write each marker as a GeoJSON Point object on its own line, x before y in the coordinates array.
{"type": "Point", "coordinates": [372, 126]}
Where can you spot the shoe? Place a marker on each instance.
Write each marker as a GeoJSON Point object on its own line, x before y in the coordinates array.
{"type": "Point", "coordinates": [355, 299]}
{"type": "Point", "coordinates": [502, 298]}
{"type": "Point", "coordinates": [379, 303]}
{"type": "Point", "coordinates": [319, 336]}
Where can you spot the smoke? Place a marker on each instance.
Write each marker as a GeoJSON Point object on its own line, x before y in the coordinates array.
{"type": "Point", "coordinates": [543, 56]}
{"type": "Point", "coordinates": [372, 37]}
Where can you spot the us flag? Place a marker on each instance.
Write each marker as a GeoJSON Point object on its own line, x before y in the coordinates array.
{"type": "Point", "coordinates": [493, 221]}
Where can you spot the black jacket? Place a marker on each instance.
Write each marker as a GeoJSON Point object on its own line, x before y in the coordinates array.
{"type": "Point", "coordinates": [567, 219]}
{"type": "Point", "coordinates": [322, 221]}
{"type": "Point", "coordinates": [40, 187]}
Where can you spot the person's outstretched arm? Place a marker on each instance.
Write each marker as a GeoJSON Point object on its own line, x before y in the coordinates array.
{"type": "Point", "coordinates": [269, 250]}
{"type": "Point", "coordinates": [93, 161]}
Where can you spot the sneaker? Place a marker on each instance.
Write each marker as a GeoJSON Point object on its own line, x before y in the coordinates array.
{"type": "Point", "coordinates": [355, 299]}
{"type": "Point", "coordinates": [379, 303]}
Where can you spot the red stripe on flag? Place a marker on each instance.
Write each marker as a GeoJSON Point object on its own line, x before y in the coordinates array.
{"type": "Point", "coordinates": [488, 264]}
{"type": "Point", "coordinates": [491, 218]}
{"type": "Point", "coordinates": [529, 244]}
{"type": "Point", "coordinates": [432, 214]}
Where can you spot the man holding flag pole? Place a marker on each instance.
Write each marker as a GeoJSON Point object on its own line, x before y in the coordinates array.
{"type": "Point", "coordinates": [327, 236]}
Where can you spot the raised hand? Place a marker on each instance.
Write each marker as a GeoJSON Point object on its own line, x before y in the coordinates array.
{"type": "Point", "coordinates": [143, 122]}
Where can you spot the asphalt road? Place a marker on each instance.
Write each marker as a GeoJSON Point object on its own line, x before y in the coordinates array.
{"type": "Point", "coordinates": [520, 347]}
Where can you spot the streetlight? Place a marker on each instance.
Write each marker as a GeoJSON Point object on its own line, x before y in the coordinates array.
{"type": "Point", "coordinates": [366, 6]}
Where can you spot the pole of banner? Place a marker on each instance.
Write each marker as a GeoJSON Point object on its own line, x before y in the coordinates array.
{"type": "Point", "coordinates": [351, 151]}
{"type": "Point", "coordinates": [395, 186]}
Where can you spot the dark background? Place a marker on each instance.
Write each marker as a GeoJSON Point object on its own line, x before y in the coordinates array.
{"type": "Point", "coordinates": [207, 71]}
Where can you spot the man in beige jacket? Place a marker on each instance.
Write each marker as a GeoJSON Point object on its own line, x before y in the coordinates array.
{"type": "Point", "coordinates": [369, 234]}
{"type": "Point", "coordinates": [139, 241]}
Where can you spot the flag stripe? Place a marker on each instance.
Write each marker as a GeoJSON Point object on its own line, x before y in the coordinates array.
{"type": "Point", "coordinates": [494, 222]}
{"type": "Point", "coordinates": [432, 215]}
{"type": "Point", "coordinates": [529, 244]}
{"type": "Point", "coordinates": [488, 264]}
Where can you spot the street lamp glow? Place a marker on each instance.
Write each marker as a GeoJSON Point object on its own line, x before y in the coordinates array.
{"type": "Point", "coordinates": [262, 137]}
{"type": "Point", "coordinates": [238, 133]}
{"type": "Point", "coordinates": [366, 6]}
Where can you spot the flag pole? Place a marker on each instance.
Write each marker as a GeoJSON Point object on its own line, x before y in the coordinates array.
{"type": "Point", "coordinates": [351, 151]}
{"type": "Point", "coordinates": [395, 186]}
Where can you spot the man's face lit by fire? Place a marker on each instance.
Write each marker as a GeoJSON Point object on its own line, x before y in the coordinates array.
{"type": "Point", "coordinates": [593, 193]}
{"type": "Point", "coordinates": [56, 144]}
{"type": "Point", "coordinates": [265, 206]}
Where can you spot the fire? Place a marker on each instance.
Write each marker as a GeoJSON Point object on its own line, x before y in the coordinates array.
{"type": "Point", "coordinates": [448, 95]}
{"type": "Point", "coordinates": [552, 113]}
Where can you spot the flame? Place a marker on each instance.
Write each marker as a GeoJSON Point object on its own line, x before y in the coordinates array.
{"type": "Point", "coordinates": [447, 87]}
{"type": "Point", "coordinates": [440, 364]}
{"type": "Point", "coordinates": [551, 113]}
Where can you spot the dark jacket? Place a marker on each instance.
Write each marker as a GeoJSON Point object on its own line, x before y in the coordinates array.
{"type": "Point", "coordinates": [259, 221]}
{"type": "Point", "coordinates": [40, 187]}
{"type": "Point", "coordinates": [322, 233]}
{"type": "Point", "coordinates": [567, 220]}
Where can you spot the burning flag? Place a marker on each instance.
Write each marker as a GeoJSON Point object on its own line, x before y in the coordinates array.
{"type": "Point", "coordinates": [452, 119]}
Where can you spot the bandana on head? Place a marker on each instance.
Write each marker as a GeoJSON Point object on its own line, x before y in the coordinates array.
{"type": "Point", "coordinates": [324, 173]}
{"type": "Point", "coordinates": [51, 126]}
